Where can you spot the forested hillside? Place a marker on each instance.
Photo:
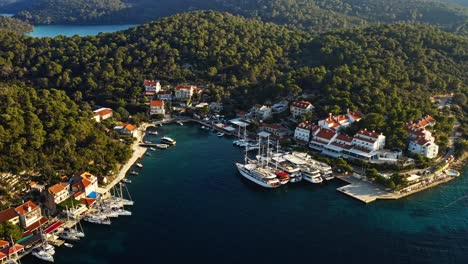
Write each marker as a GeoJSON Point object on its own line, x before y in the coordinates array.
{"type": "Point", "coordinates": [15, 25]}
{"type": "Point", "coordinates": [314, 16]}
{"type": "Point", "coordinates": [45, 131]}
{"type": "Point", "coordinates": [390, 70]}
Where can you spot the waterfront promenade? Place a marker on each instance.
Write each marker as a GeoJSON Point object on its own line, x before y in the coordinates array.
{"type": "Point", "coordinates": [138, 152]}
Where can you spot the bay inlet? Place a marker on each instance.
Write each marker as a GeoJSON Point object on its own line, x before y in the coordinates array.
{"type": "Point", "coordinates": [192, 205]}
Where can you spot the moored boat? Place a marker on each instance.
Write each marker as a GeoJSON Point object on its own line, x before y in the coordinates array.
{"type": "Point", "coordinates": [153, 132]}
{"type": "Point", "coordinates": [68, 236]}
{"type": "Point", "coordinates": [220, 134]}
{"type": "Point", "coordinates": [41, 254]}
{"type": "Point", "coordinates": [68, 245]}
{"type": "Point", "coordinates": [126, 180]}
{"type": "Point", "coordinates": [98, 220]}
{"type": "Point", "coordinates": [162, 146]}
{"type": "Point", "coordinates": [258, 175]}
{"type": "Point", "coordinates": [139, 165]}
{"type": "Point", "coordinates": [168, 140]}
{"type": "Point", "coordinates": [134, 173]}
{"type": "Point", "coordinates": [153, 149]}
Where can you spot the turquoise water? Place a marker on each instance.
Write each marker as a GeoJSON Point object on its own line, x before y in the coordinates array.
{"type": "Point", "coordinates": [192, 206]}
{"type": "Point", "coordinates": [71, 30]}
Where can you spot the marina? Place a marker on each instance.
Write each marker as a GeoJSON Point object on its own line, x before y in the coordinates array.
{"type": "Point", "coordinates": [201, 146]}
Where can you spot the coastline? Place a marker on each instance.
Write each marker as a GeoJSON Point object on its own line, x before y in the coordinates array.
{"type": "Point", "coordinates": [138, 152]}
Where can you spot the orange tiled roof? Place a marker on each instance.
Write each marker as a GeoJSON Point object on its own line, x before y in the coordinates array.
{"type": "Point", "coordinates": [129, 127]}
{"type": "Point", "coordinates": [58, 188]}
{"type": "Point", "coordinates": [87, 201]}
{"type": "Point", "coordinates": [23, 209]}
{"type": "Point", "coordinates": [7, 215]}
{"type": "Point", "coordinates": [326, 134]}
{"type": "Point", "coordinates": [12, 250]}
{"type": "Point", "coordinates": [356, 115]}
{"type": "Point", "coordinates": [151, 82]}
{"type": "Point", "coordinates": [344, 138]}
{"type": "Point", "coordinates": [368, 133]}
{"type": "Point", "coordinates": [157, 103]}
{"type": "Point", "coordinates": [4, 243]}
{"type": "Point", "coordinates": [301, 104]}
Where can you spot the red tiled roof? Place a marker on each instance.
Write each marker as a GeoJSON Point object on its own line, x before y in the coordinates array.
{"type": "Point", "coordinates": [32, 184]}
{"type": "Point", "coordinates": [78, 194]}
{"type": "Point", "coordinates": [430, 119]}
{"type": "Point", "coordinates": [157, 103]}
{"type": "Point", "coordinates": [23, 209]}
{"type": "Point", "coordinates": [58, 188]}
{"type": "Point", "coordinates": [342, 145]}
{"type": "Point", "coordinates": [301, 104]}
{"type": "Point", "coordinates": [3, 243]}
{"type": "Point", "coordinates": [151, 82]}
{"type": "Point", "coordinates": [357, 137]}
{"type": "Point", "coordinates": [85, 182]}
{"type": "Point", "coordinates": [307, 125]}
{"type": "Point", "coordinates": [150, 93]}
{"type": "Point", "coordinates": [326, 134]}
{"type": "Point", "coordinates": [2, 256]}
{"type": "Point", "coordinates": [104, 111]}
{"type": "Point", "coordinates": [12, 250]}
{"type": "Point", "coordinates": [344, 138]}
{"type": "Point", "coordinates": [7, 215]}
{"type": "Point", "coordinates": [319, 141]}
{"type": "Point", "coordinates": [332, 121]}
{"type": "Point", "coordinates": [362, 149]}
{"type": "Point", "coordinates": [129, 127]}
{"type": "Point", "coordinates": [421, 141]}
{"type": "Point", "coordinates": [356, 115]}
{"type": "Point", "coordinates": [368, 133]}
{"type": "Point", "coordinates": [186, 87]}
{"type": "Point", "coordinates": [87, 201]}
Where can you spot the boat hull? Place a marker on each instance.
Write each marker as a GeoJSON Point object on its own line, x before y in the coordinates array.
{"type": "Point", "coordinates": [246, 175]}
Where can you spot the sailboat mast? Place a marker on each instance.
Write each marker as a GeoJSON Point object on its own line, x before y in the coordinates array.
{"type": "Point", "coordinates": [277, 156]}
{"type": "Point", "coordinates": [260, 149]}
{"type": "Point", "coordinates": [268, 149]}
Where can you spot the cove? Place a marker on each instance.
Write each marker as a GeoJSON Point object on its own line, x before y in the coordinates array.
{"type": "Point", "coordinates": [191, 205]}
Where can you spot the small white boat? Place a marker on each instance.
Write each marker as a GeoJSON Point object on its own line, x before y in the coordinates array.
{"type": "Point", "coordinates": [168, 140]}
{"type": "Point", "coordinates": [121, 211]}
{"type": "Point", "coordinates": [203, 127]}
{"type": "Point", "coordinates": [220, 134]}
{"type": "Point", "coordinates": [162, 146]}
{"type": "Point", "coordinates": [153, 132]}
{"type": "Point", "coordinates": [41, 254]}
{"type": "Point", "coordinates": [68, 236]}
{"type": "Point", "coordinates": [139, 165]}
{"type": "Point", "coordinates": [134, 173]}
{"type": "Point", "coordinates": [47, 248]}
{"type": "Point", "coordinates": [68, 245]}
{"type": "Point", "coordinates": [98, 220]}
{"type": "Point", "coordinates": [180, 123]}
{"type": "Point", "coordinates": [148, 154]}
{"type": "Point", "coordinates": [126, 180]}
{"type": "Point", "coordinates": [153, 149]}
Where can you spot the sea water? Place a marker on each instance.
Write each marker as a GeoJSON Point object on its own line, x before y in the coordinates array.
{"type": "Point", "coordinates": [191, 206]}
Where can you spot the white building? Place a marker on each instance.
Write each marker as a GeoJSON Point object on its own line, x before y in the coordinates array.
{"type": "Point", "coordinates": [424, 147]}
{"type": "Point", "coordinates": [369, 140]}
{"type": "Point", "coordinates": [127, 129]}
{"type": "Point", "coordinates": [152, 86]}
{"type": "Point", "coordinates": [165, 95]}
{"type": "Point", "coordinates": [260, 112]}
{"type": "Point", "coordinates": [304, 131]}
{"type": "Point", "coordinates": [59, 192]}
{"type": "Point", "coordinates": [102, 114]}
{"type": "Point", "coordinates": [301, 108]}
{"type": "Point", "coordinates": [29, 213]}
{"type": "Point", "coordinates": [183, 92]}
{"type": "Point", "coordinates": [157, 107]}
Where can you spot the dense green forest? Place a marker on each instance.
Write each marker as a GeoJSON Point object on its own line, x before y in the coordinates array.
{"type": "Point", "coordinates": [309, 15]}
{"type": "Point", "coordinates": [45, 131]}
{"type": "Point", "coordinates": [388, 70]}
{"type": "Point", "coordinates": [15, 25]}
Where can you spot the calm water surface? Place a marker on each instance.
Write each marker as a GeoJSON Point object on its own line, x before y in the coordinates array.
{"type": "Point", "coordinates": [192, 206]}
{"type": "Point", "coordinates": [71, 30]}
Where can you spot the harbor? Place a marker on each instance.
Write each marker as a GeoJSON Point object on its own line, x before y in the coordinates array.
{"type": "Point", "coordinates": [164, 194]}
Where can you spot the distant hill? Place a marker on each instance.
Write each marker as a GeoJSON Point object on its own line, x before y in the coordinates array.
{"type": "Point", "coordinates": [15, 25]}
{"type": "Point", "coordinates": [314, 16]}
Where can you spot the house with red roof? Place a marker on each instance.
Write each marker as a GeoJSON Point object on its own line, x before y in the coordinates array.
{"type": "Point", "coordinates": [324, 137]}
{"type": "Point", "coordinates": [340, 121]}
{"type": "Point", "coordinates": [369, 140]}
{"type": "Point", "coordinates": [183, 92]}
{"type": "Point", "coordinates": [102, 114]}
{"type": "Point", "coordinates": [304, 132]}
{"type": "Point", "coordinates": [152, 86]}
{"type": "Point", "coordinates": [57, 194]}
{"type": "Point", "coordinates": [9, 215]}
{"type": "Point", "coordinates": [127, 129]}
{"type": "Point", "coordinates": [29, 213]}
{"type": "Point", "coordinates": [87, 183]}
{"type": "Point", "coordinates": [421, 140]}
{"type": "Point", "coordinates": [424, 147]}
{"type": "Point", "coordinates": [157, 107]}
{"type": "Point", "coordinates": [300, 108]}
{"type": "Point", "coordinates": [10, 252]}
